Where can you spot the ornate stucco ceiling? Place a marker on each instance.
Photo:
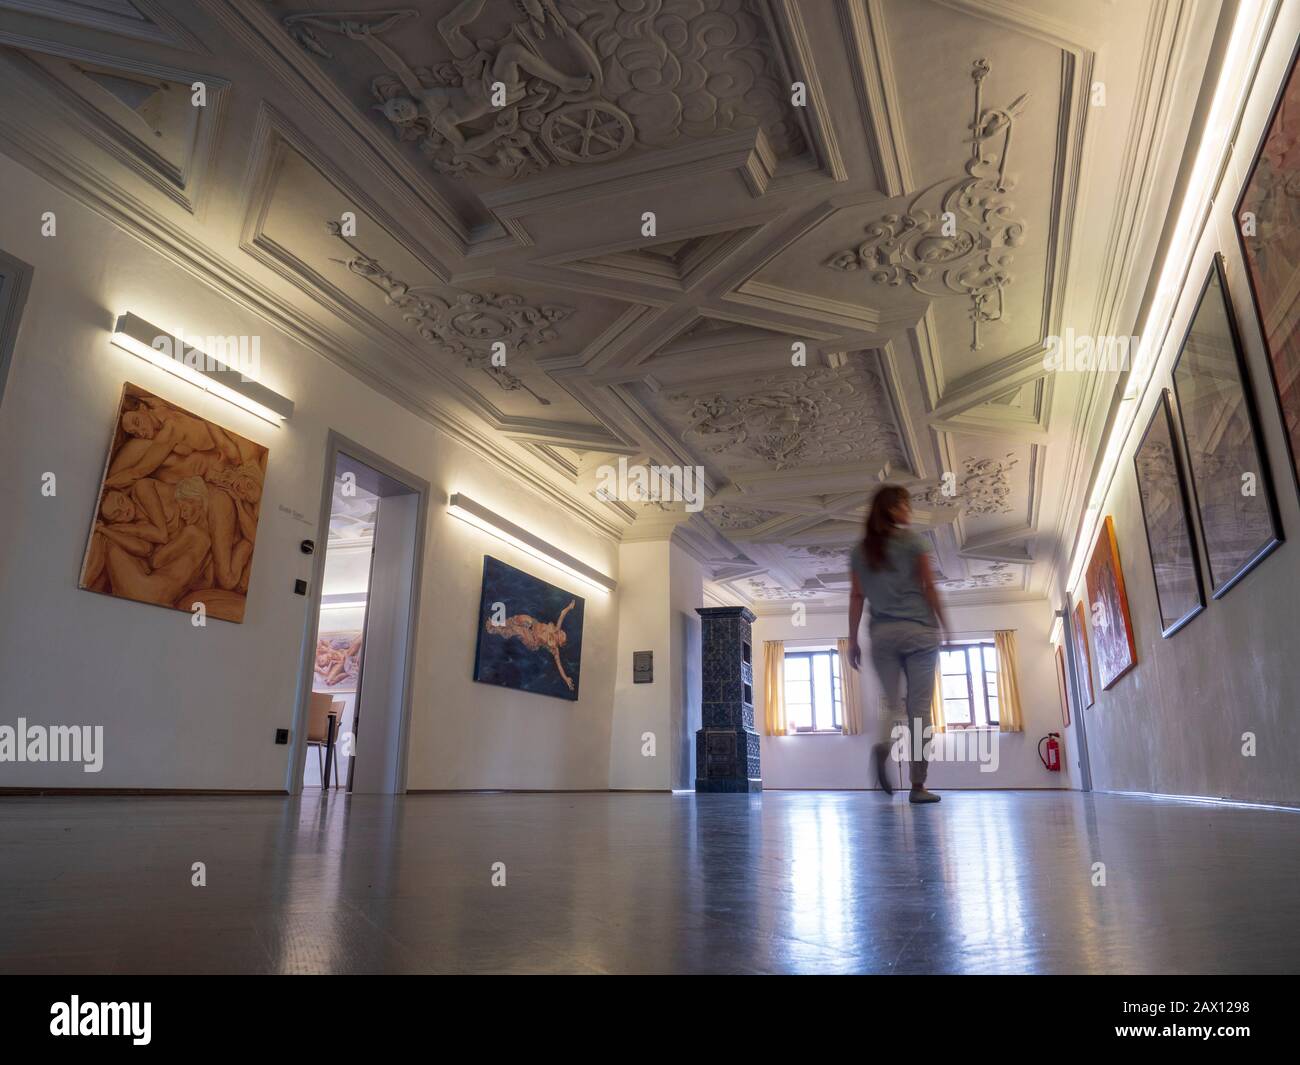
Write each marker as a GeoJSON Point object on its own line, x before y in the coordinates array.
{"type": "Point", "coordinates": [868, 216]}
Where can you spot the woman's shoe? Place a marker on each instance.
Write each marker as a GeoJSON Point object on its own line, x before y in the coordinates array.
{"type": "Point", "coordinates": [879, 754]}
{"type": "Point", "coordinates": [919, 794]}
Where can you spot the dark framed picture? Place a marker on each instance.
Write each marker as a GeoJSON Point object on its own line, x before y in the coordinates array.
{"type": "Point", "coordinates": [1063, 689]}
{"type": "Point", "coordinates": [529, 633]}
{"type": "Point", "coordinates": [1231, 484]}
{"type": "Point", "coordinates": [1167, 515]}
{"type": "Point", "coordinates": [1268, 227]}
{"type": "Point", "coordinates": [1083, 657]}
{"type": "Point", "coordinates": [1112, 627]}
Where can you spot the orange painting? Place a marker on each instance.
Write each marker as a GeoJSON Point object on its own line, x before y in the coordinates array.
{"type": "Point", "coordinates": [176, 517]}
{"type": "Point", "coordinates": [1112, 628]}
{"type": "Point", "coordinates": [1083, 657]}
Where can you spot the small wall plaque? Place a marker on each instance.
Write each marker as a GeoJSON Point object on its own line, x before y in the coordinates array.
{"type": "Point", "coordinates": [643, 671]}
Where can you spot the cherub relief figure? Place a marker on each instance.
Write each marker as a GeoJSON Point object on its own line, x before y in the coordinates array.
{"type": "Point", "coordinates": [479, 66]}
{"type": "Point", "coordinates": [537, 635]}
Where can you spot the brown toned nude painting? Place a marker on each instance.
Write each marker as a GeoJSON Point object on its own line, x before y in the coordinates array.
{"type": "Point", "coordinates": [176, 518]}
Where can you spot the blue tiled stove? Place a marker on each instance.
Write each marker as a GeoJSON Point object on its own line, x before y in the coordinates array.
{"type": "Point", "coordinates": [727, 747]}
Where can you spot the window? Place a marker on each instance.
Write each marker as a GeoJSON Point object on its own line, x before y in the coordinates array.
{"type": "Point", "coordinates": [969, 675]}
{"type": "Point", "coordinates": [812, 691]}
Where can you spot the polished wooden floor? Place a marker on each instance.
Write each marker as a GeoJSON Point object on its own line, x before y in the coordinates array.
{"type": "Point", "coordinates": [821, 882]}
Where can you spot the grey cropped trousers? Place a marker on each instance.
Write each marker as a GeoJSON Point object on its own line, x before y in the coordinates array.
{"type": "Point", "coordinates": [898, 649]}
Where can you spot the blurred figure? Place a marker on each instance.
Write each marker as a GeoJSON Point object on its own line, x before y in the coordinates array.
{"type": "Point", "coordinates": [891, 571]}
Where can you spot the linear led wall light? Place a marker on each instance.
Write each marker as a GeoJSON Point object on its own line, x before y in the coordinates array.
{"type": "Point", "coordinates": [481, 518]}
{"type": "Point", "coordinates": [132, 333]}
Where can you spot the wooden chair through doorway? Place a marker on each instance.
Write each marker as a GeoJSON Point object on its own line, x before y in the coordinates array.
{"type": "Point", "coordinates": [322, 729]}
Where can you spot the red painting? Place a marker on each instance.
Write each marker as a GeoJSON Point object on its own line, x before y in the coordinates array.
{"type": "Point", "coordinates": [1112, 628]}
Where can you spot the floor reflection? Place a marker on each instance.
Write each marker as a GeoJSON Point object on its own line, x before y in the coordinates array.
{"type": "Point", "coordinates": [593, 883]}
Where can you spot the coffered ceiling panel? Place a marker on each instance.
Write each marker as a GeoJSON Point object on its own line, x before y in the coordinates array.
{"type": "Point", "coordinates": [484, 336]}
{"type": "Point", "coordinates": [485, 94]}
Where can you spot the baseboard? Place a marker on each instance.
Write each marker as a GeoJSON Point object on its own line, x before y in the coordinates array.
{"type": "Point", "coordinates": [1208, 800]}
{"type": "Point", "coordinates": [140, 792]}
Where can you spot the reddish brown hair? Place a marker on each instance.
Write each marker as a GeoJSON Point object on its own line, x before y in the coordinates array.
{"type": "Point", "coordinates": [881, 524]}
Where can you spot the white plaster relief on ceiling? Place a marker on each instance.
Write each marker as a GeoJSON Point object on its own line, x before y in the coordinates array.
{"type": "Point", "coordinates": [983, 488]}
{"type": "Point", "coordinates": [954, 239]}
{"type": "Point", "coordinates": [577, 83]}
{"type": "Point", "coordinates": [469, 324]}
{"type": "Point", "coordinates": [737, 519]}
{"type": "Point", "coordinates": [331, 108]}
{"type": "Point", "coordinates": [822, 416]}
{"type": "Point", "coordinates": [759, 589]}
{"type": "Point", "coordinates": [998, 575]}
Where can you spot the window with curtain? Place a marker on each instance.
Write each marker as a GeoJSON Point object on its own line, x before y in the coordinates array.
{"type": "Point", "coordinates": [968, 675]}
{"type": "Point", "coordinates": [812, 691]}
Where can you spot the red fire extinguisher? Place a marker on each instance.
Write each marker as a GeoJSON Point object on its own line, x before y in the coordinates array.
{"type": "Point", "coordinates": [1053, 760]}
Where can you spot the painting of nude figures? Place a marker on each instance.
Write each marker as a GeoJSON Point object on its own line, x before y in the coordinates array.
{"type": "Point", "coordinates": [176, 519]}
{"type": "Point", "coordinates": [338, 661]}
{"type": "Point", "coordinates": [529, 633]}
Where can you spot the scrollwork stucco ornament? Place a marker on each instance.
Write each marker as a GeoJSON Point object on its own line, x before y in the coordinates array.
{"type": "Point", "coordinates": [955, 238]}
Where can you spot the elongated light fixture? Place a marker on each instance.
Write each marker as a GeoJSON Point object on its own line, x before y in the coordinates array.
{"type": "Point", "coordinates": [173, 354]}
{"type": "Point", "coordinates": [481, 518]}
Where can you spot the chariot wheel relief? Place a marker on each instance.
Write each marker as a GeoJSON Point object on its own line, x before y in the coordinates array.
{"type": "Point", "coordinates": [591, 131]}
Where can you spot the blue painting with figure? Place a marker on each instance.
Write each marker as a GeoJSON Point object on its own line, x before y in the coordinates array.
{"type": "Point", "coordinates": [529, 633]}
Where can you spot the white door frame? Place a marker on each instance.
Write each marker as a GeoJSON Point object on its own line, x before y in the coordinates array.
{"type": "Point", "coordinates": [335, 445]}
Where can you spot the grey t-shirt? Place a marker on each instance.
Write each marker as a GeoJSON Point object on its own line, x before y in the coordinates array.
{"type": "Point", "coordinates": [893, 592]}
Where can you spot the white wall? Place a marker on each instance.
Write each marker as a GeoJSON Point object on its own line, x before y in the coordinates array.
{"type": "Point", "coordinates": [835, 761]}
{"type": "Point", "coordinates": [642, 708]}
{"type": "Point", "coordinates": [662, 587]}
{"type": "Point", "coordinates": [186, 707]}
{"type": "Point", "coordinates": [686, 593]}
{"type": "Point", "coordinates": [1174, 724]}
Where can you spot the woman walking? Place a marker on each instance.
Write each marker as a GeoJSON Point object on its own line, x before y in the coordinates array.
{"type": "Point", "coordinates": [891, 570]}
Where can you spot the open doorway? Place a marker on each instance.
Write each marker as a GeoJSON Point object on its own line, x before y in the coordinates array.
{"type": "Point", "coordinates": [353, 717]}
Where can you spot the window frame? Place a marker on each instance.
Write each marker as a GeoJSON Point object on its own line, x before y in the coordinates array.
{"type": "Point", "coordinates": [966, 646]}
{"type": "Point", "coordinates": [837, 694]}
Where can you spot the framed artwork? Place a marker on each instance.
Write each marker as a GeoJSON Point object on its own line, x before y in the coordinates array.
{"type": "Point", "coordinates": [176, 517]}
{"type": "Point", "coordinates": [1167, 514]}
{"type": "Point", "coordinates": [1112, 628]}
{"type": "Point", "coordinates": [1062, 687]}
{"type": "Point", "coordinates": [1268, 227]}
{"type": "Point", "coordinates": [1083, 657]}
{"type": "Point", "coordinates": [529, 633]}
{"type": "Point", "coordinates": [1231, 485]}
{"type": "Point", "coordinates": [338, 661]}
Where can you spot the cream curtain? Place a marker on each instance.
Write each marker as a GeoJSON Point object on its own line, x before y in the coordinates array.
{"type": "Point", "coordinates": [1009, 716]}
{"type": "Point", "coordinates": [938, 722]}
{"type": "Point", "coordinates": [850, 692]}
{"type": "Point", "coordinates": [774, 687]}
